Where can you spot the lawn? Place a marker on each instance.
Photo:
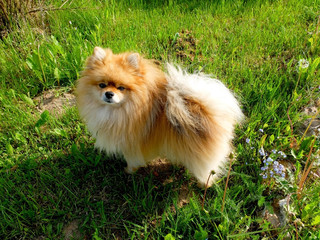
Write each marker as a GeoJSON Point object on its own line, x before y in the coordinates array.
{"type": "Point", "coordinates": [55, 185]}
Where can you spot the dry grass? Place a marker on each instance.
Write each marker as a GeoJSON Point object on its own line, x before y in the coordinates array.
{"type": "Point", "coordinates": [13, 10]}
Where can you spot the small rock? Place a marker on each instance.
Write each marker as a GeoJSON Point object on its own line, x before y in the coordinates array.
{"type": "Point", "coordinates": [272, 218]}
{"type": "Point", "coordinates": [71, 231]}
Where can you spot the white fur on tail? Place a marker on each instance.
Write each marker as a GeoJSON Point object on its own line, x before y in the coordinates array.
{"type": "Point", "coordinates": [210, 92]}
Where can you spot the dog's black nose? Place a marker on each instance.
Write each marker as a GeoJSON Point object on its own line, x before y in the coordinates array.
{"type": "Point", "coordinates": [109, 94]}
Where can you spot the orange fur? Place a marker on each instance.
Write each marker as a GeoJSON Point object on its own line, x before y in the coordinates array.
{"type": "Point", "coordinates": [149, 117]}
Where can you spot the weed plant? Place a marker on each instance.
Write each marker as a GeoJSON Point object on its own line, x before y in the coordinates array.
{"type": "Point", "coordinates": [53, 183]}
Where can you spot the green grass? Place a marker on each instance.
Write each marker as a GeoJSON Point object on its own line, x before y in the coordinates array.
{"type": "Point", "coordinates": [51, 175]}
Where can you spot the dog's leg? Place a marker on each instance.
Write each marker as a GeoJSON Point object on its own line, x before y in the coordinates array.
{"type": "Point", "coordinates": [134, 162]}
{"type": "Point", "coordinates": [205, 171]}
{"type": "Point", "coordinates": [204, 177]}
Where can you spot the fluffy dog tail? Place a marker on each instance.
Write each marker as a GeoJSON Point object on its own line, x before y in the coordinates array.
{"type": "Point", "coordinates": [196, 101]}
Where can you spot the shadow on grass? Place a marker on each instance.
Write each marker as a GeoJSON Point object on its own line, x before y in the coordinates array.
{"type": "Point", "coordinates": [44, 196]}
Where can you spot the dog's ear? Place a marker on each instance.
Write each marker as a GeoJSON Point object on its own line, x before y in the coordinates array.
{"type": "Point", "coordinates": [134, 60]}
{"type": "Point", "coordinates": [100, 53]}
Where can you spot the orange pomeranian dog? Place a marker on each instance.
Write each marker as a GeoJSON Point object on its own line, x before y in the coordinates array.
{"type": "Point", "coordinates": [133, 108]}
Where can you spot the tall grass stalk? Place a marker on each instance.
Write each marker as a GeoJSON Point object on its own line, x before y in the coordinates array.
{"type": "Point", "coordinates": [226, 186]}
{"type": "Point", "coordinates": [306, 170]}
{"type": "Point", "coordinates": [205, 191]}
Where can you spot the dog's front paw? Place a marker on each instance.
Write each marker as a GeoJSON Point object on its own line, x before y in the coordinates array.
{"type": "Point", "coordinates": [203, 185]}
{"type": "Point", "coordinates": [131, 170]}
{"type": "Point", "coordinates": [208, 182]}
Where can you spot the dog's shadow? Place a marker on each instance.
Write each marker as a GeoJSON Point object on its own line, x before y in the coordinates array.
{"type": "Point", "coordinates": [115, 199]}
{"type": "Point", "coordinates": [81, 190]}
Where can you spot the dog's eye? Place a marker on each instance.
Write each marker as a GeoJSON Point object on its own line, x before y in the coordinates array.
{"type": "Point", "coordinates": [121, 88]}
{"type": "Point", "coordinates": [102, 85]}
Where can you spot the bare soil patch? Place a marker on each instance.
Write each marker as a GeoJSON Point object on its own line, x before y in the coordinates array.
{"type": "Point", "coordinates": [55, 101]}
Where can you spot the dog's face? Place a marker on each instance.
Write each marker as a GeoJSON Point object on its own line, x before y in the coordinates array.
{"type": "Point", "coordinates": [112, 93]}
{"type": "Point", "coordinates": [112, 79]}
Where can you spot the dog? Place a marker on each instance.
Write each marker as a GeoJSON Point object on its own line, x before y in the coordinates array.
{"type": "Point", "coordinates": [134, 108]}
